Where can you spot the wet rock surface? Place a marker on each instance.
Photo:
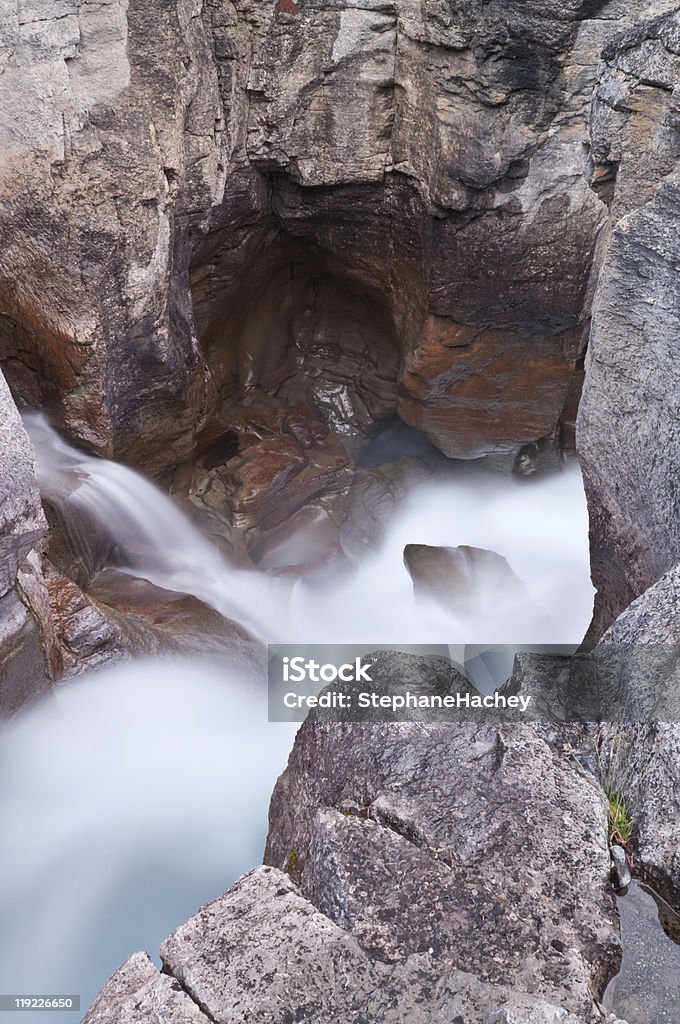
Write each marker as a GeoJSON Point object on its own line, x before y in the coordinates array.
{"type": "Point", "coordinates": [403, 261]}
{"type": "Point", "coordinates": [621, 876]}
{"type": "Point", "coordinates": [463, 578]}
{"type": "Point", "coordinates": [122, 617]}
{"type": "Point", "coordinates": [27, 656]}
{"type": "Point", "coordinates": [272, 472]}
{"type": "Point", "coordinates": [646, 990]}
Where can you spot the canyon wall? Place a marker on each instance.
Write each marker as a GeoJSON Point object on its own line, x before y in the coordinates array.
{"type": "Point", "coordinates": [373, 209]}
{"type": "Point", "coordinates": [28, 658]}
{"type": "Point", "coordinates": [628, 437]}
{"type": "Point", "coordinates": [249, 234]}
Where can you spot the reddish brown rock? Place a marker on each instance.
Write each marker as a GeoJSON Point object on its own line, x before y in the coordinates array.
{"type": "Point", "coordinates": [476, 391]}
{"type": "Point", "coordinates": [268, 469]}
{"type": "Point", "coordinates": [279, 195]}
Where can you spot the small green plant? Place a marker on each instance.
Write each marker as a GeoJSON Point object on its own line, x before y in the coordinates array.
{"type": "Point", "coordinates": [620, 820]}
{"type": "Point", "coordinates": [617, 781]}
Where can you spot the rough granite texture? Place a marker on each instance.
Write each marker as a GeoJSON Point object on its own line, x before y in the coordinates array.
{"type": "Point", "coordinates": [300, 966]}
{"type": "Point", "coordinates": [654, 617]}
{"type": "Point", "coordinates": [138, 992]}
{"type": "Point", "coordinates": [461, 840]}
{"type": "Point", "coordinates": [22, 522]}
{"type": "Point", "coordinates": [417, 873]}
{"type": "Point", "coordinates": [627, 426]}
{"type": "Point", "coordinates": [649, 752]}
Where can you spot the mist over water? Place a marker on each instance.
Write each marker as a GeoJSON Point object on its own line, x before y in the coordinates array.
{"type": "Point", "coordinates": [127, 800]}
{"type": "Point", "coordinates": [539, 526]}
{"type": "Point", "coordinates": [132, 796]}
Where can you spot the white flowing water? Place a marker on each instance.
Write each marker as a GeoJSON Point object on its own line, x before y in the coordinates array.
{"type": "Point", "coordinates": [157, 540]}
{"type": "Point", "coordinates": [539, 526]}
{"type": "Point", "coordinates": [127, 800]}
{"type": "Point", "coordinates": [131, 797]}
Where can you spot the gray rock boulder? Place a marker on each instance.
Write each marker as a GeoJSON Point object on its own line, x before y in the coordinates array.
{"type": "Point", "coordinates": [627, 436]}
{"type": "Point", "coordinates": [464, 841]}
{"type": "Point", "coordinates": [264, 952]}
{"type": "Point", "coordinates": [22, 522]}
{"type": "Point", "coordinates": [138, 992]}
{"type": "Point", "coordinates": [654, 617]}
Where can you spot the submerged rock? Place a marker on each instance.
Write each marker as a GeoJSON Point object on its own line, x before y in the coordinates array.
{"type": "Point", "coordinates": [464, 579]}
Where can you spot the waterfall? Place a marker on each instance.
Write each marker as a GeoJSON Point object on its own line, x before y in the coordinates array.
{"type": "Point", "coordinates": [540, 527]}
{"type": "Point", "coordinates": [154, 537]}
{"type": "Point", "coordinates": [133, 795]}
{"type": "Point", "coordinates": [127, 799]}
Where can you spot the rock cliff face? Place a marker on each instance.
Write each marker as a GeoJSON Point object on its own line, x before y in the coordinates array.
{"type": "Point", "coordinates": [27, 648]}
{"type": "Point", "coordinates": [375, 208]}
{"type": "Point", "coordinates": [105, 108]}
{"type": "Point", "coordinates": [649, 752]}
{"type": "Point", "coordinates": [627, 429]}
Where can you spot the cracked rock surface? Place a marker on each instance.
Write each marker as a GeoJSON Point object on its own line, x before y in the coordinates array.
{"type": "Point", "coordinates": [414, 873]}
{"type": "Point", "coordinates": [627, 424]}
{"type": "Point", "coordinates": [371, 207]}
{"type": "Point", "coordinates": [26, 668]}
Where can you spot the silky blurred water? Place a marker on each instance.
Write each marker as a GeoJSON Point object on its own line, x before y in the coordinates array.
{"type": "Point", "coordinates": [133, 796]}
{"type": "Point", "coordinates": [126, 800]}
{"type": "Point", "coordinates": [540, 526]}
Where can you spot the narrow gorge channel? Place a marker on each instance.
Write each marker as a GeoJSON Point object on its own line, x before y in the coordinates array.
{"type": "Point", "coordinates": [160, 771]}
{"type": "Point", "coordinates": [339, 330]}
